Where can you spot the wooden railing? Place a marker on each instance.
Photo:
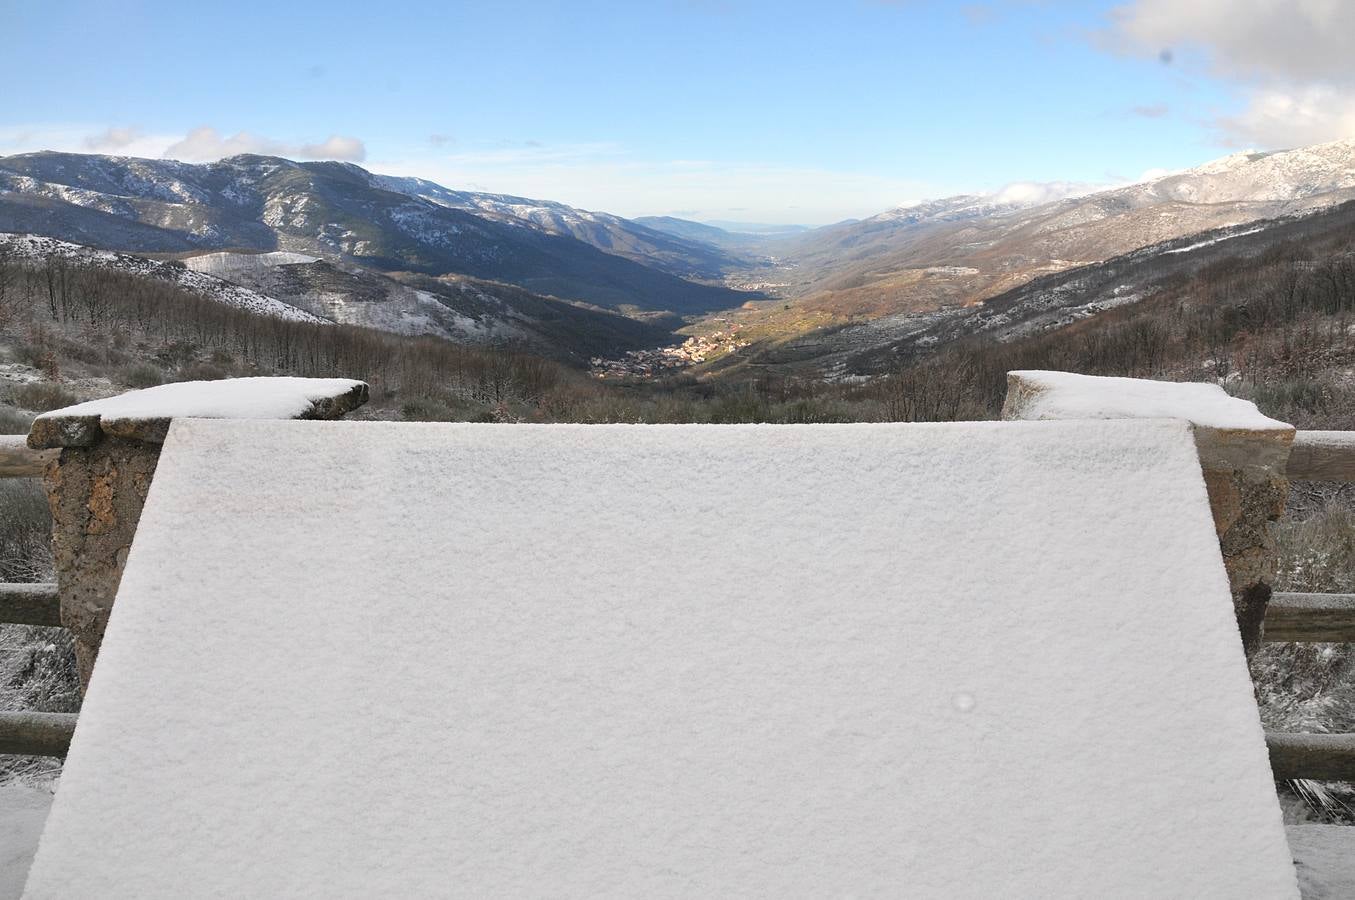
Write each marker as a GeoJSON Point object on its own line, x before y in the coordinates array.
{"type": "Point", "coordinates": [18, 461]}
{"type": "Point", "coordinates": [1316, 456]}
{"type": "Point", "coordinates": [1322, 456]}
{"type": "Point", "coordinates": [36, 733]}
{"type": "Point", "coordinates": [30, 733]}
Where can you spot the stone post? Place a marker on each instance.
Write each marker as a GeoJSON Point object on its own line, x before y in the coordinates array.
{"type": "Point", "coordinates": [97, 485]}
{"type": "Point", "coordinates": [1243, 456]}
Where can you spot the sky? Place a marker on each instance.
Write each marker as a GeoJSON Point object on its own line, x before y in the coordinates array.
{"type": "Point", "coordinates": [731, 110]}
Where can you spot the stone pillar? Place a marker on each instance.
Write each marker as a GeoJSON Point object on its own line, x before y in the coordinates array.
{"type": "Point", "coordinates": [1244, 473]}
{"type": "Point", "coordinates": [97, 486]}
{"type": "Point", "coordinates": [96, 494]}
{"type": "Point", "coordinates": [1243, 456]}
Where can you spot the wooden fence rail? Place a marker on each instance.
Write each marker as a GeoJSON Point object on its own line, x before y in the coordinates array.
{"type": "Point", "coordinates": [18, 461]}
{"type": "Point", "coordinates": [35, 733]}
{"type": "Point", "coordinates": [1311, 618]}
{"type": "Point", "coordinates": [30, 604]}
{"type": "Point", "coordinates": [1320, 757]}
{"type": "Point", "coordinates": [1303, 618]}
{"type": "Point", "coordinates": [1322, 456]}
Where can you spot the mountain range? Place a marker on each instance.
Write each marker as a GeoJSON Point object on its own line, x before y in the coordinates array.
{"type": "Point", "coordinates": [339, 210]}
{"type": "Point", "coordinates": [406, 254]}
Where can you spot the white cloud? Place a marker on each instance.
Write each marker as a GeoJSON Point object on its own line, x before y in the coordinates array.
{"type": "Point", "coordinates": [1155, 174]}
{"type": "Point", "coordinates": [118, 141]}
{"type": "Point", "coordinates": [1292, 116]}
{"type": "Point", "coordinates": [1303, 40]}
{"type": "Point", "coordinates": [1289, 59]}
{"type": "Point", "coordinates": [205, 143]}
{"type": "Point", "coordinates": [1031, 193]}
{"type": "Point", "coordinates": [202, 144]}
{"type": "Point", "coordinates": [113, 139]}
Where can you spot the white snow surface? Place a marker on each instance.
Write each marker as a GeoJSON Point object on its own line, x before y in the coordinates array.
{"type": "Point", "coordinates": [1212, 241]}
{"type": "Point", "coordinates": [23, 809]}
{"type": "Point", "coordinates": [1324, 856]}
{"type": "Point", "coordinates": [1066, 395]}
{"type": "Point", "coordinates": [408, 660]}
{"type": "Point", "coordinates": [229, 398]}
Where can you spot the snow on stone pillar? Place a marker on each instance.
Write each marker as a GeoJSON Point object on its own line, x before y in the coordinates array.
{"type": "Point", "coordinates": [97, 485]}
{"type": "Point", "coordinates": [1242, 454]}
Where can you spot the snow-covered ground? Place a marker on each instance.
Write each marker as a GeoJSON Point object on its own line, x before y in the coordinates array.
{"type": "Point", "coordinates": [23, 810]}
{"type": "Point", "coordinates": [1067, 395]}
{"type": "Point", "coordinates": [1212, 241]}
{"type": "Point", "coordinates": [671, 661]}
{"type": "Point", "coordinates": [231, 398]}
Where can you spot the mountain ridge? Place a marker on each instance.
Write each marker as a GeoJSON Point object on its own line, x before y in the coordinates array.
{"type": "Point", "coordinates": [260, 203]}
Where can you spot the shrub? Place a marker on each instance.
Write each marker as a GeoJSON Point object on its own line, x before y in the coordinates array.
{"type": "Point", "coordinates": [43, 396]}
{"type": "Point", "coordinates": [141, 375]}
{"type": "Point", "coordinates": [14, 421]}
{"type": "Point", "coordinates": [200, 372]}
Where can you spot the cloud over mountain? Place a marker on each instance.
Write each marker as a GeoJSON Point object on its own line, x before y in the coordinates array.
{"type": "Point", "coordinates": [207, 144]}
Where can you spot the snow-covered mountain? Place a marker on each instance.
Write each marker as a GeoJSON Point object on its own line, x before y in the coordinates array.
{"type": "Point", "coordinates": [342, 212]}
{"type": "Point", "coordinates": [1284, 176]}
{"type": "Point", "coordinates": [952, 252]}
{"type": "Point", "coordinates": [612, 234]}
{"type": "Point", "coordinates": [947, 209]}
{"type": "Point", "coordinates": [959, 250]}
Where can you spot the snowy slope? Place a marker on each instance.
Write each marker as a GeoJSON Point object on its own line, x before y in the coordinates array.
{"type": "Point", "coordinates": [461, 309]}
{"type": "Point", "coordinates": [678, 254]}
{"type": "Point", "coordinates": [956, 252]}
{"type": "Point", "coordinates": [33, 247]}
{"type": "Point", "coordinates": [340, 211]}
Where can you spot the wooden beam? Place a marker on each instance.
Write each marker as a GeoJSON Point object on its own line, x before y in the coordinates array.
{"type": "Point", "coordinates": [35, 733]}
{"type": "Point", "coordinates": [1322, 456]}
{"type": "Point", "coordinates": [1321, 757]}
{"type": "Point", "coordinates": [30, 604]}
{"type": "Point", "coordinates": [1310, 618]}
{"type": "Point", "coordinates": [17, 460]}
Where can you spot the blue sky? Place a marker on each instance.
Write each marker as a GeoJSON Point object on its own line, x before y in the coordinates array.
{"type": "Point", "coordinates": [709, 109]}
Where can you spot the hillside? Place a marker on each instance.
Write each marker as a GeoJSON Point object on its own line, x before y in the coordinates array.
{"type": "Point", "coordinates": [302, 288]}
{"type": "Point", "coordinates": [329, 210]}
{"type": "Point", "coordinates": [32, 249]}
{"type": "Point", "coordinates": [697, 257]}
{"type": "Point", "coordinates": [962, 250]}
{"type": "Point", "coordinates": [460, 308]}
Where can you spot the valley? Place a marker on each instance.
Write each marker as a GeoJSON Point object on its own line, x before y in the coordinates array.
{"type": "Point", "coordinates": [658, 296]}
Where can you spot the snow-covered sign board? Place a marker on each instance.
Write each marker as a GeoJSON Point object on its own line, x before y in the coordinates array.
{"type": "Point", "coordinates": [366, 659]}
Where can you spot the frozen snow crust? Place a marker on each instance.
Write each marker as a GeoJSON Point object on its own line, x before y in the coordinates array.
{"type": "Point", "coordinates": [229, 398]}
{"type": "Point", "coordinates": [1065, 395]}
{"type": "Point", "coordinates": [963, 660]}
{"type": "Point", "coordinates": [146, 414]}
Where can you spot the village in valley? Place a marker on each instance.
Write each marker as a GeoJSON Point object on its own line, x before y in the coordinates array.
{"type": "Point", "coordinates": [668, 360]}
